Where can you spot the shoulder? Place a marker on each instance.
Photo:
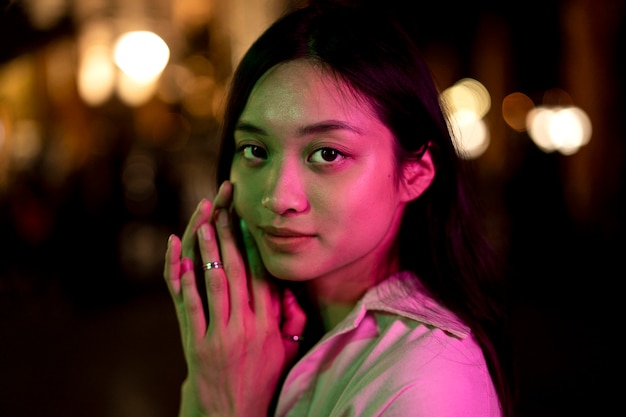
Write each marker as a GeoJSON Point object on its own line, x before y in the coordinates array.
{"type": "Point", "coordinates": [403, 294]}
{"type": "Point", "coordinates": [425, 371]}
{"type": "Point", "coordinates": [412, 346]}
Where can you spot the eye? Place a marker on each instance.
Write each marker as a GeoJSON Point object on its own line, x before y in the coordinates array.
{"type": "Point", "coordinates": [325, 155]}
{"type": "Point", "coordinates": [253, 152]}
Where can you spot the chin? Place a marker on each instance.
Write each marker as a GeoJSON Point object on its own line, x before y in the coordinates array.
{"type": "Point", "coordinates": [283, 272]}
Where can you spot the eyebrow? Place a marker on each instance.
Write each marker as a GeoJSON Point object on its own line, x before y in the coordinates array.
{"type": "Point", "coordinates": [316, 128]}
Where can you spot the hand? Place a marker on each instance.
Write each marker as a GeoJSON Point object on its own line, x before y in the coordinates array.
{"type": "Point", "coordinates": [235, 356]}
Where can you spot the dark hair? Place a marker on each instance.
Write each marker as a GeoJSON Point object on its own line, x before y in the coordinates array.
{"type": "Point", "coordinates": [441, 238]}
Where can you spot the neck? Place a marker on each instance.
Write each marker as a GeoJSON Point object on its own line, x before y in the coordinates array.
{"type": "Point", "coordinates": [335, 296]}
{"type": "Point", "coordinates": [332, 314]}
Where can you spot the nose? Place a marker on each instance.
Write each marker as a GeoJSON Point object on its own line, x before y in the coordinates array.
{"type": "Point", "coordinates": [285, 189]}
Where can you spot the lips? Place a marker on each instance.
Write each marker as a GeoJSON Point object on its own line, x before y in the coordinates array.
{"type": "Point", "coordinates": [283, 232]}
{"type": "Point", "coordinates": [284, 239]}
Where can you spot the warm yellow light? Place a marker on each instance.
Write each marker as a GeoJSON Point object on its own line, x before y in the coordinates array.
{"type": "Point", "coordinates": [515, 108]}
{"type": "Point", "coordinates": [133, 92]}
{"type": "Point", "coordinates": [468, 101]}
{"type": "Point", "coordinates": [96, 75]}
{"type": "Point", "coordinates": [468, 95]}
{"type": "Point", "coordinates": [564, 129]}
{"type": "Point", "coordinates": [538, 126]}
{"type": "Point", "coordinates": [471, 136]}
{"type": "Point", "coordinates": [142, 55]}
{"type": "Point", "coordinates": [570, 129]}
{"type": "Point", "coordinates": [27, 143]}
{"type": "Point", "coordinates": [2, 134]}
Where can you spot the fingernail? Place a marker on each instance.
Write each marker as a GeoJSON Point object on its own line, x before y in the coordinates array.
{"type": "Point", "coordinates": [204, 232]}
{"type": "Point", "coordinates": [187, 265]}
{"type": "Point", "coordinates": [201, 204]}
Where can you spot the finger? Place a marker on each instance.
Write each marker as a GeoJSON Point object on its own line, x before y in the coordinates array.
{"type": "Point", "coordinates": [294, 322]}
{"type": "Point", "coordinates": [194, 311]}
{"type": "Point", "coordinates": [215, 279]}
{"type": "Point", "coordinates": [171, 270]}
{"type": "Point", "coordinates": [172, 274]}
{"type": "Point", "coordinates": [294, 318]}
{"type": "Point", "coordinates": [199, 216]}
{"type": "Point", "coordinates": [222, 199]}
{"type": "Point", "coordinates": [234, 265]}
{"type": "Point", "coordinates": [262, 300]}
{"type": "Point", "coordinates": [265, 298]}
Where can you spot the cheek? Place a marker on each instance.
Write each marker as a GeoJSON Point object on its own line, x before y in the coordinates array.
{"type": "Point", "coordinates": [367, 201]}
{"type": "Point", "coordinates": [244, 194]}
{"type": "Point", "coordinates": [243, 202]}
{"type": "Point", "coordinates": [374, 190]}
{"type": "Point", "coordinates": [370, 204]}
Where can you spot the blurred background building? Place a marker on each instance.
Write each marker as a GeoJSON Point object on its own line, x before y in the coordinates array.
{"type": "Point", "coordinates": [109, 111]}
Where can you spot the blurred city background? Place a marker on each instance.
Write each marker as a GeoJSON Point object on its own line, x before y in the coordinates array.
{"type": "Point", "coordinates": [109, 111]}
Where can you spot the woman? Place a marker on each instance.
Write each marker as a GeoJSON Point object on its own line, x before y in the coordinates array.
{"type": "Point", "coordinates": [344, 271]}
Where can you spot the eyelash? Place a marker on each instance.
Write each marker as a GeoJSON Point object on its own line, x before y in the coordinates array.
{"type": "Point", "coordinates": [247, 151]}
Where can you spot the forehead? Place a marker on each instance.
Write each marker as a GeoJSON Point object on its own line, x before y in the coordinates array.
{"type": "Point", "coordinates": [300, 89]}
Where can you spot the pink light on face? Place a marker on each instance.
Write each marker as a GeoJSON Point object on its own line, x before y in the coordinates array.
{"type": "Point", "coordinates": [314, 177]}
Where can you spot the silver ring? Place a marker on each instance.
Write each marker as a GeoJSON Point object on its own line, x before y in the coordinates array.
{"type": "Point", "coordinates": [212, 265]}
{"type": "Point", "coordinates": [292, 337]}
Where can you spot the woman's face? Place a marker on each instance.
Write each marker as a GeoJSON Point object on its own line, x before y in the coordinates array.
{"type": "Point", "coordinates": [314, 178]}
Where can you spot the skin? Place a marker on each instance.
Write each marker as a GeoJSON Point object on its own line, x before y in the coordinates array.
{"type": "Point", "coordinates": [316, 187]}
{"type": "Point", "coordinates": [315, 181]}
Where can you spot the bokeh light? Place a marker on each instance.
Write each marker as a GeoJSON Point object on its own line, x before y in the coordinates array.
{"type": "Point", "coordinates": [96, 75]}
{"type": "Point", "coordinates": [2, 134]}
{"type": "Point", "coordinates": [96, 69]}
{"type": "Point", "coordinates": [27, 142]}
{"type": "Point", "coordinates": [468, 101]}
{"type": "Point", "coordinates": [515, 108]}
{"type": "Point", "coordinates": [562, 129]}
{"type": "Point", "coordinates": [142, 55]}
{"type": "Point", "coordinates": [134, 92]}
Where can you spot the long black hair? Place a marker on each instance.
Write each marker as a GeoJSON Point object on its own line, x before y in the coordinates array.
{"type": "Point", "coordinates": [441, 237]}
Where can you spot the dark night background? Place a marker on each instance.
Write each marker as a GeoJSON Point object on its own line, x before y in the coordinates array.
{"type": "Point", "coordinates": [86, 324]}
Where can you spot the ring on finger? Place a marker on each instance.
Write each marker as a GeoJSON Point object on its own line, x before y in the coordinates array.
{"type": "Point", "coordinates": [212, 265]}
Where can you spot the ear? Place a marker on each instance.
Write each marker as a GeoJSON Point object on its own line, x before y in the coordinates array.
{"type": "Point", "coordinates": [417, 176]}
